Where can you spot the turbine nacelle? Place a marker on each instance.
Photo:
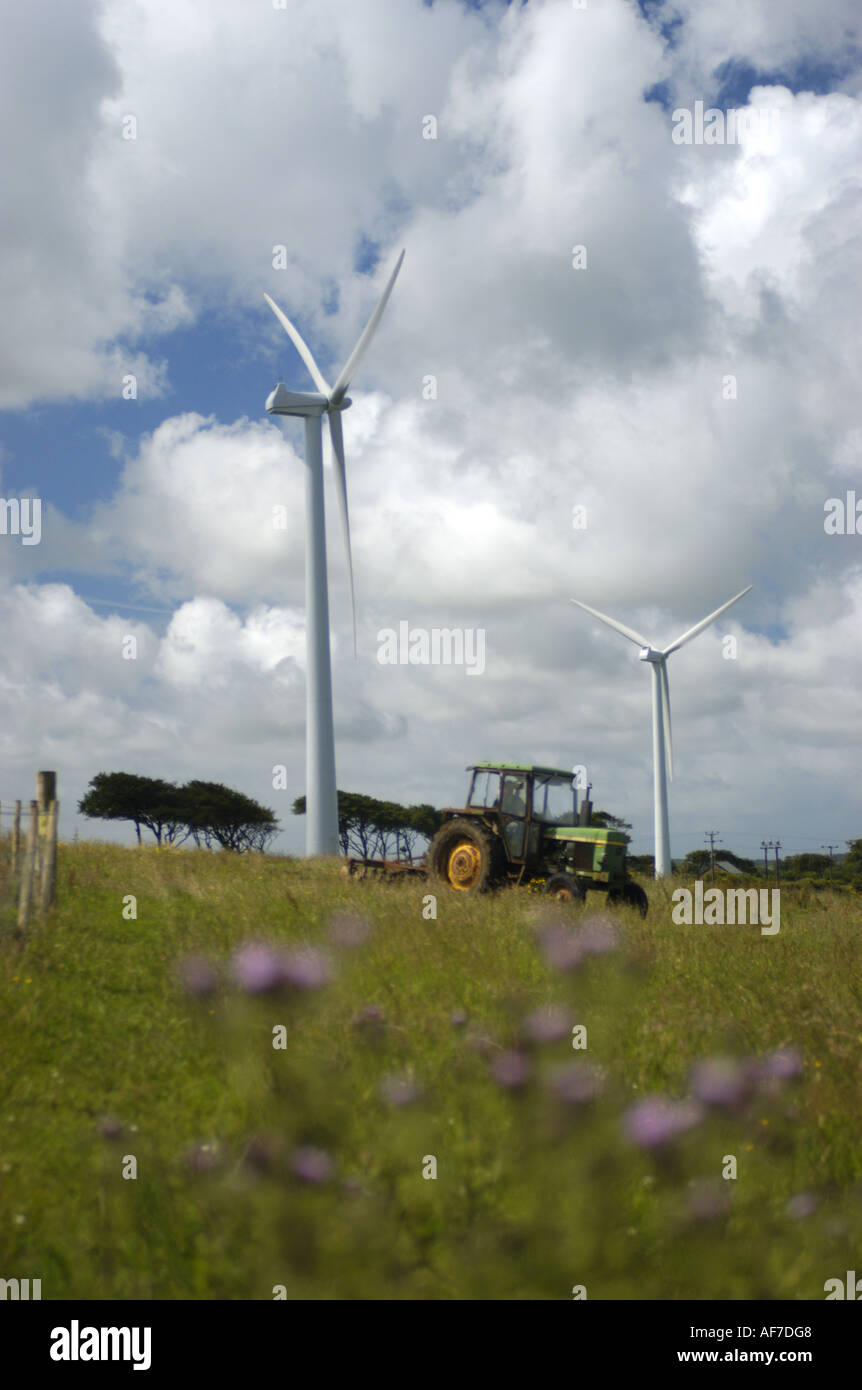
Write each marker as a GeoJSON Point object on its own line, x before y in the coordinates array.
{"type": "Point", "coordinates": [649, 654]}
{"type": "Point", "coordinates": [281, 401]}
{"type": "Point", "coordinates": [304, 403]}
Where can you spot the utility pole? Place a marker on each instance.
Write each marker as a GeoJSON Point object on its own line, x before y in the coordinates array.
{"type": "Point", "coordinates": [777, 847]}
{"type": "Point", "coordinates": [765, 848]}
{"type": "Point", "coordinates": [712, 836]}
{"type": "Point", "coordinates": [830, 849]}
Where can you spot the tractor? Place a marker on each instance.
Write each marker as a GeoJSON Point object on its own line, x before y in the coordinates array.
{"type": "Point", "coordinates": [523, 823]}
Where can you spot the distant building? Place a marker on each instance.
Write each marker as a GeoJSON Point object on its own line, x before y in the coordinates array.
{"type": "Point", "coordinates": [726, 865]}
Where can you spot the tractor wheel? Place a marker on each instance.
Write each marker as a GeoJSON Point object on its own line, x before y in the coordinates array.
{"type": "Point", "coordinates": [633, 896]}
{"type": "Point", "coordinates": [463, 855]}
{"type": "Point", "coordinates": [565, 888]}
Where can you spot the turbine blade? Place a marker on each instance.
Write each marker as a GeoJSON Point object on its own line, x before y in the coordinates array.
{"type": "Point", "coordinates": [698, 627]}
{"type": "Point", "coordinates": [340, 388]}
{"type": "Point", "coordinates": [612, 622]}
{"type": "Point", "coordinates": [301, 346]}
{"type": "Point", "coordinates": [668, 738]}
{"type": "Point", "coordinates": [337, 437]}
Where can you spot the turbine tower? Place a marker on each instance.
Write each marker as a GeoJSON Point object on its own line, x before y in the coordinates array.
{"type": "Point", "coordinates": [321, 797]}
{"type": "Point", "coordinates": [662, 751]}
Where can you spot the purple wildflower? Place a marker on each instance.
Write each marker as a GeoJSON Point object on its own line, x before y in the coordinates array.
{"type": "Point", "coordinates": [783, 1064]}
{"type": "Point", "coordinates": [655, 1121]}
{"type": "Point", "coordinates": [458, 1018]}
{"type": "Point", "coordinates": [576, 1083]}
{"type": "Point", "coordinates": [549, 1024]}
{"type": "Point", "coordinates": [511, 1070]}
{"type": "Point", "coordinates": [306, 968]}
{"type": "Point", "coordinates": [562, 949]}
{"type": "Point", "coordinates": [399, 1090]}
{"type": "Point", "coordinates": [721, 1081]}
{"type": "Point", "coordinates": [312, 1165]}
{"type": "Point", "coordinates": [110, 1127]}
{"type": "Point", "coordinates": [197, 976]}
{"type": "Point", "coordinates": [258, 968]}
{"type": "Point", "coordinates": [598, 936]}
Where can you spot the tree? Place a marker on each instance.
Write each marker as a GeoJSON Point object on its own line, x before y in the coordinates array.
{"type": "Point", "coordinates": [147, 801]}
{"type": "Point", "coordinates": [219, 815]}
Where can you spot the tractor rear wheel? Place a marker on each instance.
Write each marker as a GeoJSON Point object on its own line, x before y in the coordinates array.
{"type": "Point", "coordinates": [565, 888]}
{"type": "Point", "coordinates": [464, 855]}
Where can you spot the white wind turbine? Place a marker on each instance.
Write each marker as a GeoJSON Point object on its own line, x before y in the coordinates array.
{"type": "Point", "coordinates": [662, 750]}
{"type": "Point", "coordinates": [321, 797]}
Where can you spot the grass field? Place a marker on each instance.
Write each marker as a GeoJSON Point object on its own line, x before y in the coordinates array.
{"type": "Point", "coordinates": [307, 1167]}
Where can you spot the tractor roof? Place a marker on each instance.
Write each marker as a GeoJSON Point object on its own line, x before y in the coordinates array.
{"type": "Point", "coordinates": [521, 767]}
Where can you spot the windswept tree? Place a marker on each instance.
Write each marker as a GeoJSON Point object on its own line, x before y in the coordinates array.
{"type": "Point", "coordinates": [145, 801]}
{"type": "Point", "coordinates": [209, 812]}
{"type": "Point", "coordinates": [216, 814]}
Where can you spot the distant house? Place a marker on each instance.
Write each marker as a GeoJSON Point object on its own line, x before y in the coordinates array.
{"type": "Point", "coordinates": [726, 865]}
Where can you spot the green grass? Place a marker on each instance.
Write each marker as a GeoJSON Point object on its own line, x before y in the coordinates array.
{"type": "Point", "coordinates": [531, 1197]}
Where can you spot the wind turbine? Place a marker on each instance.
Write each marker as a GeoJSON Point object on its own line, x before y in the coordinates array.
{"type": "Point", "coordinates": [321, 797]}
{"type": "Point", "coordinates": [662, 751]}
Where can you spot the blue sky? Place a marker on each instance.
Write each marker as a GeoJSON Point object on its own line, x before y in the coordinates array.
{"type": "Point", "coordinates": [556, 387]}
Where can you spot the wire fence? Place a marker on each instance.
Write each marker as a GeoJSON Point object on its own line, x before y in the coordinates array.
{"type": "Point", "coordinates": [33, 852]}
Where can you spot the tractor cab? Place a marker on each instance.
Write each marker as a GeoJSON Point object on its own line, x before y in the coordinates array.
{"type": "Point", "coordinates": [522, 800]}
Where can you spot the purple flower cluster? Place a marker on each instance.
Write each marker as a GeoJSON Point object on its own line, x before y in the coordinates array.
{"type": "Point", "coordinates": [511, 1070]}
{"type": "Point", "coordinates": [576, 1083]}
{"type": "Point", "coordinates": [311, 1165]}
{"type": "Point", "coordinates": [565, 949]}
{"type": "Point", "coordinates": [655, 1121]}
{"type": "Point", "coordinates": [549, 1024]}
{"type": "Point", "coordinates": [259, 968]}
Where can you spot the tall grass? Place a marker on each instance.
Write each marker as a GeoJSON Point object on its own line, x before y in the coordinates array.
{"type": "Point", "coordinates": [260, 1168]}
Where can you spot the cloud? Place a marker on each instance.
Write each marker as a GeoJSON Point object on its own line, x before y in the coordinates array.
{"type": "Point", "coordinates": [690, 388]}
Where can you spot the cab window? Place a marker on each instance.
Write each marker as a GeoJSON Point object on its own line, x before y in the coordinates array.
{"type": "Point", "coordinates": [514, 802]}
{"type": "Point", "coordinates": [485, 791]}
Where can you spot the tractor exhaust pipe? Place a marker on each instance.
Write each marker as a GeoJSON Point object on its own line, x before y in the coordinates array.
{"type": "Point", "coordinates": [586, 810]}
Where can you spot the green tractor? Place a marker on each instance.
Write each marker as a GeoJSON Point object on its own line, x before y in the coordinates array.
{"type": "Point", "coordinates": [523, 823]}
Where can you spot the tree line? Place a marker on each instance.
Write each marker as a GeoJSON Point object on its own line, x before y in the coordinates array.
{"type": "Point", "coordinates": [207, 813]}
{"type": "Point", "coordinates": [818, 868]}
{"type": "Point", "coordinates": [373, 829]}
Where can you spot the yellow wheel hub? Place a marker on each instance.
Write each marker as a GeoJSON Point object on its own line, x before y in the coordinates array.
{"type": "Point", "coordinates": [464, 864]}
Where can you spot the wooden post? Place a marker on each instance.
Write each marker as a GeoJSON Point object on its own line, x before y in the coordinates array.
{"type": "Point", "coordinates": [46, 792]}
{"type": "Point", "coordinates": [16, 839]}
{"type": "Point", "coordinates": [48, 882]}
{"type": "Point", "coordinates": [26, 893]}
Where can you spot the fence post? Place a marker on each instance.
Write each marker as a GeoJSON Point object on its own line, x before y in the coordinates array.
{"type": "Point", "coordinates": [46, 792]}
{"type": "Point", "coordinates": [48, 884]}
{"type": "Point", "coordinates": [16, 839]}
{"type": "Point", "coordinates": [26, 892]}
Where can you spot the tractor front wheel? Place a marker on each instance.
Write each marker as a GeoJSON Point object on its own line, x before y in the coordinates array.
{"type": "Point", "coordinates": [565, 888]}
{"type": "Point", "coordinates": [464, 855]}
